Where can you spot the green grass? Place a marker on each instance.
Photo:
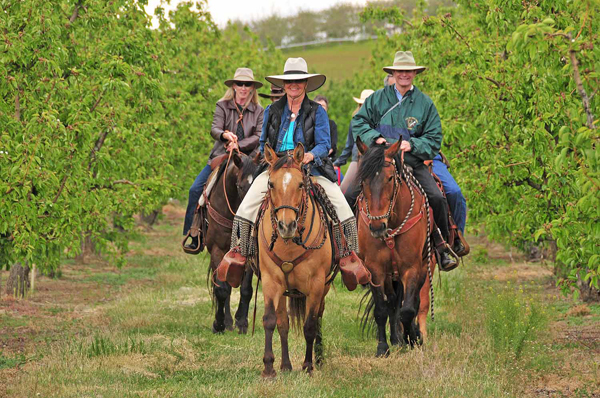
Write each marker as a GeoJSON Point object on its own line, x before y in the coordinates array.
{"type": "Point", "coordinates": [156, 340]}
{"type": "Point", "coordinates": [336, 61]}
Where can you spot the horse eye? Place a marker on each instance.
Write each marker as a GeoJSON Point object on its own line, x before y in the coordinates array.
{"type": "Point", "coordinates": [270, 185]}
{"type": "Point", "coordinates": [301, 185]}
{"type": "Point", "coordinates": [390, 179]}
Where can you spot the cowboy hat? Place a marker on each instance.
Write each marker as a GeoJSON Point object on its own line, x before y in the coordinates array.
{"type": "Point", "coordinates": [243, 75]}
{"type": "Point", "coordinates": [363, 96]}
{"type": "Point", "coordinates": [296, 69]}
{"type": "Point", "coordinates": [275, 92]}
{"type": "Point", "coordinates": [404, 60]}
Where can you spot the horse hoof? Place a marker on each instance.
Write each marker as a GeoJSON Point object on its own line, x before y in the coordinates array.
{"type": "Point", "coordinates": [242, 329]}
{"type": "Point", "coordinates": [307, 367]}
{"type": "Point", "coordinates": [286, 367]}
{"type": "Point", "coordinates": [268, 374]}
{"type": "Point", "coordinates": [218, 329]}
{"type": "Point", "coordinates": [383, 350]}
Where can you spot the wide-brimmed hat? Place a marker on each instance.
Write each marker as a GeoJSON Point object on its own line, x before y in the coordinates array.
{"type": "Point", "coordinates": [275, 92]}
{"type": "Point", "coordinates": [404, 60]}
{"type": "Point", "coordinates": [296, 69]}
{"type": "Point", "coordinates": [243, 75]}
{"type": "Point", "coordinates": [363, 96]}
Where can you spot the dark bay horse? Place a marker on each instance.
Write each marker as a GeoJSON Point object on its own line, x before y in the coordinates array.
{"type": "Point", "coordinates": [223, 201]}
{"type": "Point", "coordinates": [295, 259]}
{"type": "Point", "coordinates": [393, 234]}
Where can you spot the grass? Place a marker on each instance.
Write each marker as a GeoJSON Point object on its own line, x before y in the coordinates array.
{"type": "Point", "coordinates": [327, 59]}
{"type": "Point", "coordinates": [154, 339]}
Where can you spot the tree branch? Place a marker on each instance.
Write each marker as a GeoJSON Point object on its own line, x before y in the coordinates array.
{"type": "Point", "coordinates": [97, 103]}
{"type": "Point", "coordinates": [581, 90]}
{"type": "Point", "coordinates": [527, 181]}
{"type": "Point", "coordinates": [17, 106]}
{"type": "Point", "coordinates": [76, 11]}
{"type": "Point", "coordinates": [447, 22]}
{"type": "Point", "coordinates": [97, 147]}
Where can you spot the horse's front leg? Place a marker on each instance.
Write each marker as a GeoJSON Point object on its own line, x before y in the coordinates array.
{"type": "Point", "coordinates": [393, 302]}
{"type": "Point", "coordinates": [241, 315]}
{"type": "Point", "coordinates": [283, 327]}
{"type": "Point", "coordinates": [311, 323]}
{"type": "Point", "coordinates": [381, 317]}
{"type": "Point", "coordinates": [319, 356]}
{"type": "Point", "coordinates": [273, 293]}
{"type": "Point", "coordinates": [413, 282]}
{"type": "Point", "coordinates": [221, 291]}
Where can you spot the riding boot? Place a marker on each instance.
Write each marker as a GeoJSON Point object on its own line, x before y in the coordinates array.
{"type": "Point", "coordinates": [231, 268]}
{"type": "Point", "coordinates": [447, 261]}
{"type": "Point", "coordinates": [193, 245]}
{"type": "Point", "coordinates": [458, 247]}
{"type": "Point", "coordinates": [353, 271]}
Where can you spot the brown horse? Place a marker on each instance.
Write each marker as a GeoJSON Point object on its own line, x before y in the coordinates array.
{"type": "Point", "coordinates": [223, 201]}
{"type": "Point", "coordinates": [393, 229]}
{"type": "Point", "coordinates": [295, 259]}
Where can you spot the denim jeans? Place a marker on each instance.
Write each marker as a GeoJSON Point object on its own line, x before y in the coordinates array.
{"type": "Point", "coordinates": [194, 195]}
{"type": "Point", "coordinates": [456, 200]}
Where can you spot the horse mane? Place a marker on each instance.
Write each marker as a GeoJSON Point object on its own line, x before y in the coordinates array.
{"type": "Point", "coordinates": [284, 161]}
{"type": "Point", "coordinates": [372, 162]}
{"type": "Point", "coordinates": [248, 166]}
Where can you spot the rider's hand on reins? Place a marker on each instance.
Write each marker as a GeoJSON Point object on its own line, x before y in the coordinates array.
{"type": "Point", "coordinates": [229, 136]}
{"type": "Point", "coordinates": [308, 157]}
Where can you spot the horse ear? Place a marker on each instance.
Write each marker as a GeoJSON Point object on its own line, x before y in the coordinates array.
{"type": "Point", "coordinates": [393, 149]}
{"type": "Point", "coordinates": [299, 153]}
{"type": "Point", "coordinates": [270, 155]}
{"type": "Point", "coordinates": [237, 159]}
{"type": "Point", "coordinates": [257, 158]}
{"type": "Point", "coordinates": [362, 148]}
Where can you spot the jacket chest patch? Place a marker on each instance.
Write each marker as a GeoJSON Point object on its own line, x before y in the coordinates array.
{"type": "Point", "coordinates": [411, 122]}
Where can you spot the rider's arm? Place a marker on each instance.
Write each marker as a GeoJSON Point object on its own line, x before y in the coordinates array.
{"type": "Point", "coordinates": [366, 118]}
{"type": "Point", "coordinates": [343, 158]}
{"type": "Point", "coordinates": [218, 123]}
{"type": "Point", "coordinates": [248, 144]}
{"type": "Point", "coordinates": [322, 136]}
{"type": "Point", "coordinates": [427, 145]}
{"type": "Point", "coordinates": [263, 134]}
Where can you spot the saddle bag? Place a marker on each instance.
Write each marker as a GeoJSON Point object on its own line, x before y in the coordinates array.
{"type": "Point", "coordinates": [231, 269]}
{"type": "Point", "coordinates": [353, 272]}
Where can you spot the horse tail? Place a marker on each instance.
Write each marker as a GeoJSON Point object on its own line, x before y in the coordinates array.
{"type": "Point", "coordinates": [367, 318]}
{"type": "Point", "coordinates": [297, 312]}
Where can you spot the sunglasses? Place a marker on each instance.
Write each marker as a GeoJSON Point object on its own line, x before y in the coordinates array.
{"type": "Point", "coordinates": [295, 81]}
{"type": "Point", "coordinates": [245, 84]}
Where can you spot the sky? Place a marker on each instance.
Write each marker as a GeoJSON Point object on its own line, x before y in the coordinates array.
{"type": "Point", "coordinates": [249, 10]}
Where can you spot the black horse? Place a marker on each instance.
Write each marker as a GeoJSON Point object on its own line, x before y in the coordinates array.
{"type": "Point", "coordinates": [223, 201]}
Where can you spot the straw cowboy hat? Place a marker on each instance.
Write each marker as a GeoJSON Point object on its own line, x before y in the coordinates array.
{"type": "Point", "coordinates": [243, 75]}
{"type": "Point", "coordinates": [404, 60]}
{"type": "Point", "coordinates": [296, 69]}
{"type": "Point", "coordinates": [275, 92]}
{"type": "Point", "coordinates": [363, 96]}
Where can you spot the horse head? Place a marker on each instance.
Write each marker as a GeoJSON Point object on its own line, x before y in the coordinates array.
{"type": "Point", "coordinates": [286, 189]}
{"type": "Point", "coordinates": [379, 181]}
{"type": "Point", "coordinates": [244, 177]}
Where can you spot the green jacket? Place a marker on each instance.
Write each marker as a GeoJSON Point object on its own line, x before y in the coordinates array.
{"type": "Point", "coordinates": [416, 119]}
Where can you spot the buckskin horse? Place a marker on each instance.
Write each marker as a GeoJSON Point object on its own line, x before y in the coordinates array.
{"type": "Point", "coordinates": [393, 230]}
{"type": "Point", "coordinates": [295, 259]}
{"type": "Point", "coordinates": [228, 191]}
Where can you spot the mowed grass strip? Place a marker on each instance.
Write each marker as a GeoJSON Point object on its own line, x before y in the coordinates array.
{"type": "Point", "coordinates": [156, 340]}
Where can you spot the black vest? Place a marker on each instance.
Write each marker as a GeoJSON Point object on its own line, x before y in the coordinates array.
{"type": "Point", "coordinates": [309, 116]}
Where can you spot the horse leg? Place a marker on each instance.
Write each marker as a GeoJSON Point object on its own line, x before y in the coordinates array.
{"type": "Point", "coordinates": [228, 318]}
{"type": "Point", "coordinates": [412, 282]}
{"type": "Point", "coordinates": [241, 315]}
{"type": "Point", "coordinates": [423, 310]}
{"type": "Point", "coordinates": [381, 316]}
{"type": "Point", "coordinates": [319, 337]}
{"type": "Point", "coordinates": [311, 320]}
{"type": "Point", "coordinates": [222, 292]}
{"type": "Point", "coordinates": [392, 303]}
{"type": "Point", "coordinates": [273, 293]}
{"type": "Point", "coordinates": [283, 327]}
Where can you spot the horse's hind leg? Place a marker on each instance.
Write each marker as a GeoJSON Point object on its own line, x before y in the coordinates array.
{"type": "Point", "coordinates": [241, 315]}
{"type": "Point", "coordinates": [319, 337]}
{"type": "Point", "coordinates": [283, 327]}
{"type": "Point", "coordinates": [423, 310]}
{"type": "Point", "coordinates": [228, 318]}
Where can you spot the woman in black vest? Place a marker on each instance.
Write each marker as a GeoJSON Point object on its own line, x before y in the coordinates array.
{"type": "Point", "coordinates": [291, 120]}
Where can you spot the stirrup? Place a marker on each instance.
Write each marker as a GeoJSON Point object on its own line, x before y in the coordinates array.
{"type": "Point", "coordinates": [353, 271]}
{"type": "Point", "coordinates": [231, 268]}
{"type": "Point", "coordinates": [190, 249]}
{"type": "Point", "coordinates": [451, 253]}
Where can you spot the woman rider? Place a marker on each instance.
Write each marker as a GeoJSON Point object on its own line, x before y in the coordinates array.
{"type": "Point", "coordinates": [237, 123]}
{"type": "Point", "coordinates": [291, 120]}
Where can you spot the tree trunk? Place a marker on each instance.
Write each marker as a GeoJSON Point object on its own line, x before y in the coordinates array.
{"type": "Point", "coordinates": [87, 248]}
{"type": "Point", "coordinates": [588, 294]}
{"type": "Point", "coordinates": [18, 281]}
{"type": "Point", "coordinates": [150, 218]}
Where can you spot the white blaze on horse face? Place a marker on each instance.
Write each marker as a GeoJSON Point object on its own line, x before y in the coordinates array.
{"type": "Point", "coordinates": [250, 180]}
{"type": "Point", "coordinates": [287, 177]}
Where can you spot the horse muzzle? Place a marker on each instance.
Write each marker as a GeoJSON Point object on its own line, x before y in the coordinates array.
{"type": "Point", "coordinates": [378, 231]}
{"type": "Point", "coordinates": [287, 231]}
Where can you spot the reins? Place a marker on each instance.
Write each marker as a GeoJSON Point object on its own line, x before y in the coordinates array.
{"type": "Point", "coordinates": [225, 180]}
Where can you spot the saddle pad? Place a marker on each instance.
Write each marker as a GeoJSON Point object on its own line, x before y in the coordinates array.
{"type": "Point", "coordinates": [210, 183]}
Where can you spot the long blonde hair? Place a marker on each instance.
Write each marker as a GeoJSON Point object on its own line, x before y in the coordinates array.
{"type": "Point", "coordinates": [230, 94]}
{"type": "Point", "coordinates": [356, 110]}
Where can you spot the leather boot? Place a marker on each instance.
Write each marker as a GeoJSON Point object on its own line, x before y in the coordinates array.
{"type": "Point", "coordinates": [458, 247]}
{"type": "Point", "coordinates": [231, 268]}
{"type": "Point", "coordinates": [447, 261]}
{"type": "Point", "coordinates": [193, 245]}
{"type": "Point", "coordinates": [353, 271]}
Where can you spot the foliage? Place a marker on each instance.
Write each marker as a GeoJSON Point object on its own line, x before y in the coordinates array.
{"type": "Point", "coordinates": [514, 84]}
{"type": "Point", "coordinates": [103, 117]}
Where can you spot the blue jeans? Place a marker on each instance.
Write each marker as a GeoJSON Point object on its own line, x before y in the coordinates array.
{"type": "Point", "coordinates": [455, 198]}
{"type": "Point", "coordinates": [194, 195]}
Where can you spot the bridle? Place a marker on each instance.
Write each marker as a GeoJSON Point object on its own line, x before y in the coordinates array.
{"type": "Point", "coordinates": [397, 182]}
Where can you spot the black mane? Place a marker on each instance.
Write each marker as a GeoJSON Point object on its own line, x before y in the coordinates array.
{"type": "Point", "coordinates": [248, 166]}
{"type": "Point", "coordinates": [285, 160]}
{"type": "Point", "coordinates": [372, 162]}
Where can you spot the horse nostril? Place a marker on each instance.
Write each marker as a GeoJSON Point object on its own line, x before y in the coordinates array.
{"type": "Point", "coordinates": [281, 225]}
{"type": "Point", "coordinates": [293, 225]}
{"type": "Point", "coordinates": [383, 225]}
